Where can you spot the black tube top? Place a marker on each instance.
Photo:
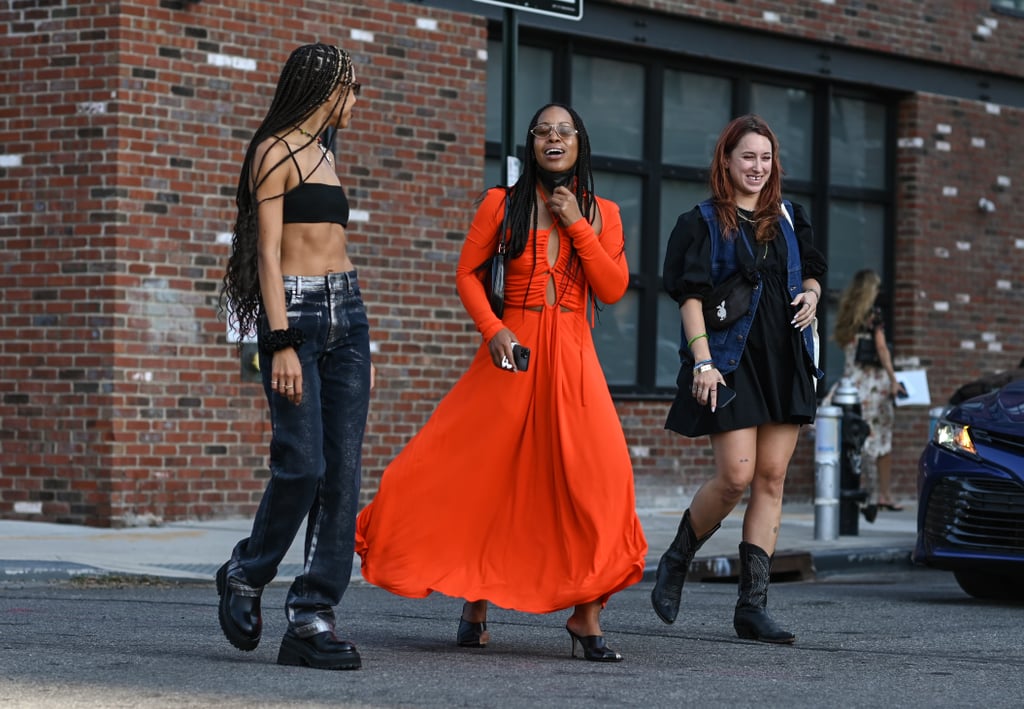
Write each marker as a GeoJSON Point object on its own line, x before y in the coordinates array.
{"type": "Point", "coordinates": [316, 203]}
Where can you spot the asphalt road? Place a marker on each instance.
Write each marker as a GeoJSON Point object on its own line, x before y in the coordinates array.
{"type": "Point", "coordinates": [907, 638]}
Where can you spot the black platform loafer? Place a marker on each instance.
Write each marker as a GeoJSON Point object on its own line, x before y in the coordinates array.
{"type": "Point", "coordinates": [239, 611]}
{"type": "Point", "coordinates": [322, 651]}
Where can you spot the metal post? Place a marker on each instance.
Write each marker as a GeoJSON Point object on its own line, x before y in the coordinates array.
{"type": "Point", "coordinates": [510, 40]}
{"type": "Point", "coordinates": [826, 473]}
{"type": "Point", "coordinates": [853, 431]}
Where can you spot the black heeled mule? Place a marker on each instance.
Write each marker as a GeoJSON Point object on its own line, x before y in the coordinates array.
{"type": "Point", "coordinates": [472, 634]}
{"type": "Point", "coordinates": [594, 648]}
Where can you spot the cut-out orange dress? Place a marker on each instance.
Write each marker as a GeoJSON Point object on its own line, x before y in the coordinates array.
{"type": "Point", "coordinates": [519, 488]}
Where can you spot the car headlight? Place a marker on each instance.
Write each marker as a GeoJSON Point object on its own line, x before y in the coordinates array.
{"type": "Point", "coordinates": [955, 437]}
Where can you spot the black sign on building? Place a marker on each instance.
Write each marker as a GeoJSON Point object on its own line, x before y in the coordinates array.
{"type": "Point", "coordinates": [566, 9]}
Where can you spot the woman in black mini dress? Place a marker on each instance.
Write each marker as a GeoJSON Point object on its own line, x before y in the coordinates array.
{"type": "Point", "coordinates": [767, 356]}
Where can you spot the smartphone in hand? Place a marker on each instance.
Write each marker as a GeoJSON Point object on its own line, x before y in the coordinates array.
{"type": "Point", "coordinates": [725, 396]}
{"type": "Point", "coordinates": [521, 357]}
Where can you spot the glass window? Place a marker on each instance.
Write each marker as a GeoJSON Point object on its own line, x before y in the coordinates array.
{"type": "Point", "coordinates": [533, 88]}
{"type": "Point", "coordinates": [856, 241]}
{"type": "Point", "coordinates": [670, 338]}
{"type": "Point", "coordinates": [695, 109]}
{"type": "Point", "coordinates": [615, 337]}
{"type": "Point", "coordinates": [677, 197]}
{"type": "Point", "coordinates": [627, 192]}
{"type": "Point", "coordinates": [857, 143]}
{"type": "Point", "coordinates": [1017, 5]}
{"type": "Point", "coordinates": [492, 173]}
{"type": "Point", "coordinates": [790, 113]}
{"type": "Point", "coordinates": [689, 109]}
{"type": "Point", "coordinates": [609, 95]}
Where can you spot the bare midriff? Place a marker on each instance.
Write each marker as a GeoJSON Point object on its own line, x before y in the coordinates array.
{"type": "Point", "coordinates": [314, 250]}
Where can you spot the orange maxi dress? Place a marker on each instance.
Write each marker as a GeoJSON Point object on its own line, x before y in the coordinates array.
{"type": "Point", "coordinates": [519, 488]}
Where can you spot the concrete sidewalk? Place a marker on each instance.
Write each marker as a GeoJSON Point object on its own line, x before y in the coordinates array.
{"type": "Point", "coordinates": [34, 551]}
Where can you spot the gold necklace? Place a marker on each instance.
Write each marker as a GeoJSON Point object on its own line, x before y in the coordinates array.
{"type": "Point", "coordinates": [748, 220]}
{"type": "Point", "coordinates": [319, 144]}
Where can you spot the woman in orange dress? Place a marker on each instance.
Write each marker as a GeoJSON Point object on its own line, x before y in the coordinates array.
{"type": "Point", "coordinates": [519, 489]}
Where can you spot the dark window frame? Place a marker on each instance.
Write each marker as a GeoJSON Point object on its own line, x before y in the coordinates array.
{"type": "Point", "coordinates": [1016, 11]}
{"type": "Point", "coordinates": [645, 277]}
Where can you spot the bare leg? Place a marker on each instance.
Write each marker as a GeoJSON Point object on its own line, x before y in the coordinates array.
{"type": "Point", "coordinates": [586, 619]}
{"type": "Point", "coordinates": [585, 628]}
{"type": "Point", "coordinates": [775, 446]}
{"type": "Point", "coordinates": [735, 459]}
{"type": "Point", "coordinates": [473, 625]}
{"type": "Point", "coordinates": [884, 467]}
{"type": "Point", "coordinates": [474, 611]}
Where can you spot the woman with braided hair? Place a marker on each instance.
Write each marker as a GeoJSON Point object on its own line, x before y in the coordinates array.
{"type": "Point", "coordinates": [519, 489]}
{"type": "Point", "coordinates": [290, 280]}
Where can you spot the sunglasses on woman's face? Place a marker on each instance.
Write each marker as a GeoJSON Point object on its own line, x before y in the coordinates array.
{"type": "Point", "coordinates": [564, 130]}
{"type": "Point", "coordinates": [356, 87]}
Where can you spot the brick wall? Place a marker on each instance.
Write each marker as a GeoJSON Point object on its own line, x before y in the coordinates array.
{"type": "Point", "coordinates": [957, 32]}
{"type": "Point", "coordinates": [959, 292]}
{"type": "Point", "coordinates": [122, 127]}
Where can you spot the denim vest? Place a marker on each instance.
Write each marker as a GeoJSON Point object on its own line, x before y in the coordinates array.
{"type": "Point", "coordinates": [727, 345]}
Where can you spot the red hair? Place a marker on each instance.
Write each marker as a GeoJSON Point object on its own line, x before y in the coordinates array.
{"type": "Point", "coordinates": [723, 194]}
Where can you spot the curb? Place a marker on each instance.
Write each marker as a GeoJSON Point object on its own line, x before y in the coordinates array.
{"type": "Point", "coordinates": [787, 565]}
{"type": "Point", "coordinates": [867, 559]}
{"type": "Point", "coordinates": [790, 565]}
{"type": "Point", "coordinates": [46, 570]}
{"type": "Point", "coordinates": [41, 571]}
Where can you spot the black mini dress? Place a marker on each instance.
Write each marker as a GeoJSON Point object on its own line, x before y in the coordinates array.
{"type": "Point", "coordinates": [774, 381]}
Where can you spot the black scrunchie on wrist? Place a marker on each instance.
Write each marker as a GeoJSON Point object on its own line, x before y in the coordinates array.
{"type": "Point", "coordinates": [277, 340]}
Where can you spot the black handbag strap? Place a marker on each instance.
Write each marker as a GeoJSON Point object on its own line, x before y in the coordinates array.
{"type": "Point", "coordinates": [503, 229]}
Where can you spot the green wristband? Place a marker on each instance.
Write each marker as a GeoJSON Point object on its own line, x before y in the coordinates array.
{"type": "Point", "coordinates": [693, 339]}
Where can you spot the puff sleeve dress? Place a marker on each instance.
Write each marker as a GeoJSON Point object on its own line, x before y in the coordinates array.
{"type": "Point", "coordinates": [771, 382]}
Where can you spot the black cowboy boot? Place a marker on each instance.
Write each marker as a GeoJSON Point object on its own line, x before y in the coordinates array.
{"type": "Point", "coordinates": [751, 618]}
{"type": "Point", "coordinates": [239, 610]}
{"type": "Point", "coordinates": [675, 562]}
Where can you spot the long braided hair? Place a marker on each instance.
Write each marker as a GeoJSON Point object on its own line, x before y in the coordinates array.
{"type": "Point", "coordinates": [724, 193]}
{"type": "Point", "coordinates": [522, 211]}
{"type": "Point", "coordinates": [307, 80]}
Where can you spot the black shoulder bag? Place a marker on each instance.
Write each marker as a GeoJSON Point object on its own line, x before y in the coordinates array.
{"type": "Point", "coordinates": [494, 278]}
{"type": "Point", "coordinates": [729, 300]}
{"type": "Point", "coordinates": [866, 353]}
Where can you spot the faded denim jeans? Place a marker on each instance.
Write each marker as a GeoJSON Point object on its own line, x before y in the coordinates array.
{"type": "Point", "coordinates": [315, 451]}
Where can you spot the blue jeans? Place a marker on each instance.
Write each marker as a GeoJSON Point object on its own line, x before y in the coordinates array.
{"type": "Point", "coordinates": [315, 450]}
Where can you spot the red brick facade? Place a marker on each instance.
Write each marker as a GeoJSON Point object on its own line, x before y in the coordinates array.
{"type": "Point", "coordinates": [122, 126]}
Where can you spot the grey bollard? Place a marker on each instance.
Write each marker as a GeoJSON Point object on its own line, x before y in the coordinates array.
{"type": "Point", "coordinates": [826, 473]}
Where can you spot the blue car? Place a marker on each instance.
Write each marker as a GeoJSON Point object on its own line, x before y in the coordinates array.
{"type": "Point", "coordinates": [971, 495]}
